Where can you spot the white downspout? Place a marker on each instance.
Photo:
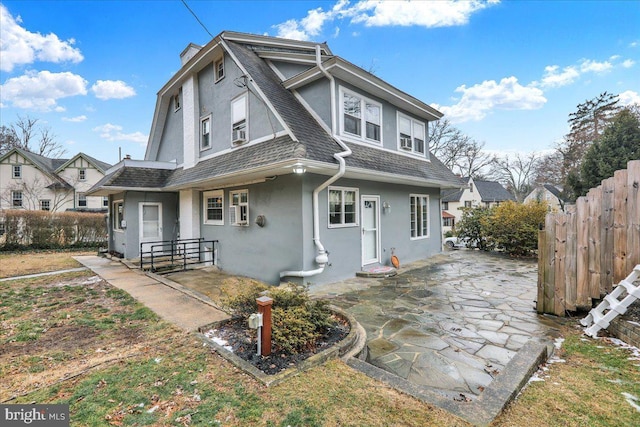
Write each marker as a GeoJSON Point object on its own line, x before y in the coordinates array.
{"type": "Point", "coordinates": [322, 258]}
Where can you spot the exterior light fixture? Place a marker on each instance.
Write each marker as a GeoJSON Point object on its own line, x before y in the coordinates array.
{"type": "Point", "coordinates": [299, 168]}
{"type": "Point", "coordinates": [386, 207]}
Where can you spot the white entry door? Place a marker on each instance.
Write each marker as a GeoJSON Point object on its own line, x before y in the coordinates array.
{"type": "Point", "coordinates": [150, 220]}
{"type": "Point", "coordinates": [370, 213]}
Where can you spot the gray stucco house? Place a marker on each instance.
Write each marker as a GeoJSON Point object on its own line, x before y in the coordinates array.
{"type": "Point", "coordinates": [303, 166]}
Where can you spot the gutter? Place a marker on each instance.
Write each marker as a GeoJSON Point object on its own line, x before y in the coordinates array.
{"type": "Point", "coordinates": [322, 257]}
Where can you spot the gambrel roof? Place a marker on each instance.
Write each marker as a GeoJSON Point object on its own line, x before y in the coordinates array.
{"type": "Point", "coordinates": [304, 139]}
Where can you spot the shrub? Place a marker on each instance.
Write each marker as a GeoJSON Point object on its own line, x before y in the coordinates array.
{"type": "Point", "coordinates": [473, 228]}
{"type": "Point", "coordinates": [25, 229]}
{"type": "Point", "coordinates": [297, 321]}
{"type": "Point", "coordinates": [514, 226]}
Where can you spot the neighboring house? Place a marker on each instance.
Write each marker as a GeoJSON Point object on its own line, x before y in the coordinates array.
{"type": "Point", "coordinates": [303, 166]}
{"type": "Point", "coordinates": [550, 194]}
{"type": "Point", "coordinates": [34, 182]}
{"type": "Point", "coordinates": [475, 194]}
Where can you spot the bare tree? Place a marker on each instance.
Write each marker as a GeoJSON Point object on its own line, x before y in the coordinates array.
{"type": "Point", "coordinates": [25, 133]}
{"type": "Point", "coordinates": [550, 170]}
{"type": "Point", "coordinates": [516, 173]}
{"type": "Point", "coordinates": [458, 151]}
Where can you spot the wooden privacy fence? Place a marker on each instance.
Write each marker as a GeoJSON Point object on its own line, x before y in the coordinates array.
{"type": "Point", "coordinates": [583, 252]}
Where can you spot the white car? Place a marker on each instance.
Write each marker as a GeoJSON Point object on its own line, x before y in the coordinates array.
{"type": "Point", "coordinates": [455, 242]}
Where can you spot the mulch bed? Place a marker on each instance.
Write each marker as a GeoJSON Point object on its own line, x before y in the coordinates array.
{"type": "Point", "coordinates": [243, 343]}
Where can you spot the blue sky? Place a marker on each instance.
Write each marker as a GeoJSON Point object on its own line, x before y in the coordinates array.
{"type": "Point", "coordinates": [506, 73]}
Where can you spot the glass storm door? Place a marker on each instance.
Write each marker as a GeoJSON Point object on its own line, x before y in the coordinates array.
{"type": "Point", "coordinates": [150, 223]}
{"type": "Point", "coordinates": [370, 209]}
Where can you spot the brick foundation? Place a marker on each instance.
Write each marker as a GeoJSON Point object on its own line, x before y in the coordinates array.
{"type": "Point", "coordinates": [626, 331]}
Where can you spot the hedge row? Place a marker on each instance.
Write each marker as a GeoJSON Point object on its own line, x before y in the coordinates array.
{"type": "Point", "coordinates": [23, 229]}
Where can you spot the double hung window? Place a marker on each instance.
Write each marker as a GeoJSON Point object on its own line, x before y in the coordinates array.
{"type": "Point", "coordinates": [82, 200]}
{"type": "Point", "coordinates": [239, 120]}
{"type": "Point", "coordinates": [419, 205]}
{"type": "Point", "coordinates": [213, 208]}
{"type": "Point", "coordinates": [411, 135]}
{"type": "Point", "coordinates": [343, 207]}
{"type": "Point", "coordinates": [205, 133]}
{"type": "Point", "coordinates": [118, 214]}
{"type": "Point", "coordinates": [361, 117]}
{"type": "Point", "coordinates": [16, 199]}
{"type": "Point", "coordinates": [82, 174]}
{"type": "Point", "coordinates": [219, 68]}
{"type": "Point", "coordinates": [17, 171]}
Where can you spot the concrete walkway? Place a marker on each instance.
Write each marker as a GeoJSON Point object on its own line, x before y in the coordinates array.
{"type": "Point", "coordinates": [178, 306]}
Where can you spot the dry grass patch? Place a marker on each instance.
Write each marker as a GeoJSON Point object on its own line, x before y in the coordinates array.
{"type": "Point", "coordinates": [23, 263]}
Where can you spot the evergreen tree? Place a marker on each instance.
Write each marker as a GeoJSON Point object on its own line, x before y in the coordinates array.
{"type": "Point", "coordinates": [619, 143]}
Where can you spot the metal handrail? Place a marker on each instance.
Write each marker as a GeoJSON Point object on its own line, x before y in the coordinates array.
{"type": "Point", "coordinates": [169, 251]}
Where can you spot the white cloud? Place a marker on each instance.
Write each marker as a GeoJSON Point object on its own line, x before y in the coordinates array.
{"type": "Point", "coordinates": [428, 14]}
{"type": "Point", "coordinates": [76, 119]}
{"type": "Point", "coordinates": [553, 78]}
{"type": "Point", "coordinates": [588, 65]}
{"type": "Point", "coordinates": [374, 13]}
{"type": "Point", "coordinates": [41, 90]}
{"type": "Point", "coordinates": [479, 100]}
{"type": "Point", "coordinates": [628, 63]}
{"type": "Point", "coordinates": [112, 132]}
{"type": "Point", "coordinates": [19, 46]}
{"type": "Point", "coordinates": [629, 97]}
{"type": "Point", "coordinates": [112, 89]}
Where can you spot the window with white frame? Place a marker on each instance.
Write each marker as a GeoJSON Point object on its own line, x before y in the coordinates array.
{"type": "Point", "coordinates": [205, 133]}
{"type": "Point", "coordinates": [239, 207]}
{"type": "Point", "coordinates": [239, 120]}
{"type": "Point", "coordinates": [213, 207]}
{"type": "Point", "coordinates": [419, 205]}
{"type": "Point", "coordinates": [411, 135]}
{"type": "Point", "coordinates": [218, 66]}
{"type": "Point", "coordinates": [448, 222]}
{"type": "Point", "coordinates": [17, 171]}
{"type": "Point", "coordinates": [45, 205]}
{"type": "Point", "coordinates": [16, 199]}
{"type": "Point", "coordinates": [361, 117]}
{"type": "Point", "coordinates": [118, 214]}
{"type": "Point", "coordinates": [343, 207]}
{"type": "Point", "coordinates": [82, 174]}
{"type": "Point", "coordinates": [82, 200]}
{"type": "Point", "coordinates": [176, 100]}
{"type": "Point", "coordinates": [105, 201]}
{"type": "Point", "coordinates": [467, 204]}
{"type": "Point", "coordinates": [445, 206]}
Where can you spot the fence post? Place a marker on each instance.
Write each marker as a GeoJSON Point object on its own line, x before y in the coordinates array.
{"type": "Point", "coordinates": [633, 214]}
{"type": "Point", "coordinates": [264, 308]}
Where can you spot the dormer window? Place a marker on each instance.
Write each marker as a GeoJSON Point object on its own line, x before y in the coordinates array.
{"type": "Point", "coordinates": [239, 120]}
{"type": "Point", "coordinates": [219, 68]}
{"type": "Point", "coordinates": [361, 117]}
{"type": "Point", "coordinates": [411, 135]}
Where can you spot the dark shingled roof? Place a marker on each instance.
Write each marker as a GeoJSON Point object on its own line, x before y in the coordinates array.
{"type": "Point", "coordinates": [491, 191]}
{"type": "Point", "coordinates": [553, 190]}
{"type": "Point", "coordinates": [314, 143]}
{"type": "Point", "coordinates": [451, 195]}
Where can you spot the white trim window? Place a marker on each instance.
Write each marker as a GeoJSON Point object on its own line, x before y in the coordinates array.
{"type": "Point", "coordinates": [82, 174]}
{"type": "Point", "coordinates": [343, 207]}
{"type": "Point", "coordinates": [16, 199]}
{"type": "Point", "coordinates": [117, 215]}
{"type": "Point", "coordinates": [419, 204]}
{"type": "Point", "coordinates": [176, 100]}
{"type": "Point", "coordinates": [239, 120]}
{"type": "Point", "coordinates": [213, 207]}
{"type": "Point", "coordinates": [82, 200]}
{"type": "Point", "coordinates": [105, 201]}
{"type": "Point", "coordinates": [411, 135]}
{"type": "Point", "coordinates": [16, 172]}
{"type": "Point", "coordinates": [218, 67]}
{"type": "Point", "coordinates": [205, 133]}
{"type": "Point", "coordinates": [45, 204]}
{"type": "Point", "coordinates": [239, 207]}
{"type": "Point", "coordinates": [356, 109]}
